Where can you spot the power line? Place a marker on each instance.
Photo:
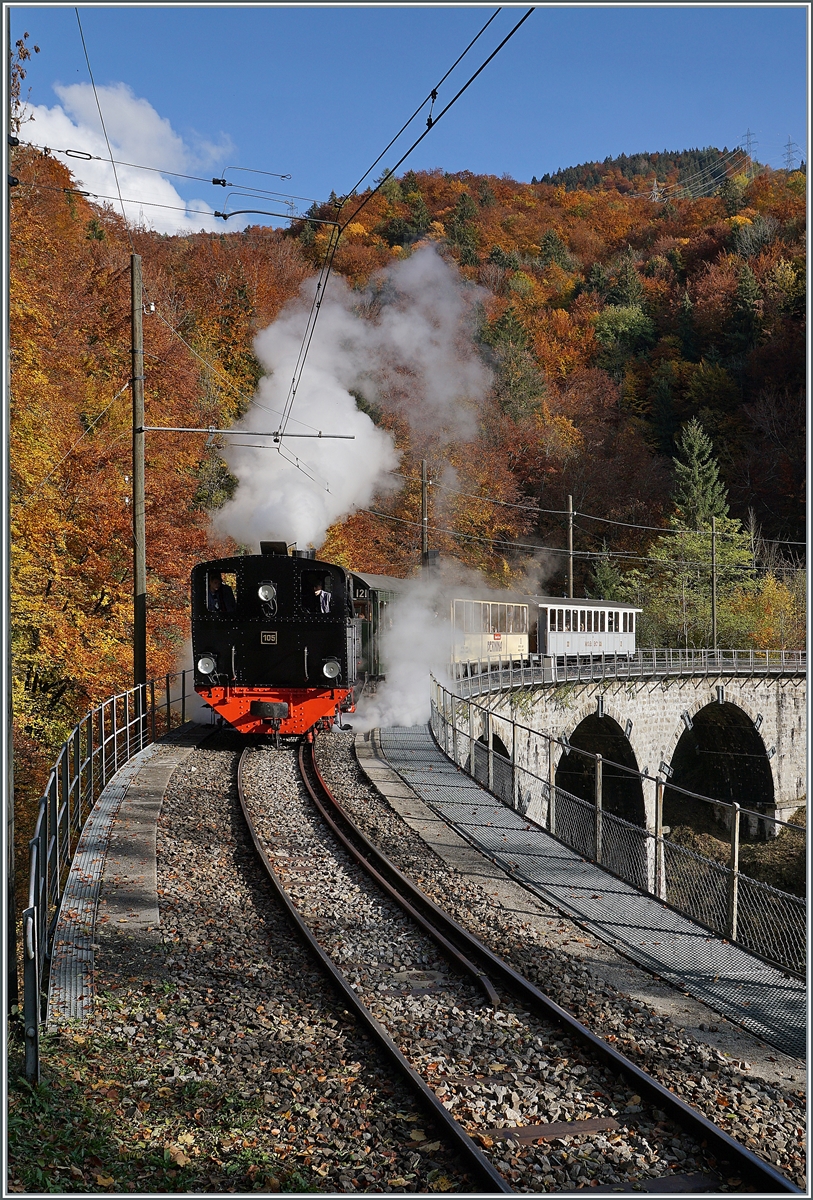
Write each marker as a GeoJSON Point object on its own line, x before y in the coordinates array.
{"type": "Point", "coordinates": [104, 129]}
{"type": "Point", "coordinates": [559, 512]}
{"type": "Point", "coordinates": [432, 96]}
{"type": "Point", "coordinates": [53, 471]}
{"type": "Point", "coordinates": [86, 156]}
{"type": "Point", "coordinates": [585, 555]}
{"type": "Point", "coordinates": [333, 243]}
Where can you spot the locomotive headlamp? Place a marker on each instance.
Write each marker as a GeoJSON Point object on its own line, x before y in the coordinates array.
{"type": "Point", "coordinates": [267, 592]}
{"type": "Point", "coordinates": [331, 668]}
{"type": "Point", "coordinates": [206, 664]}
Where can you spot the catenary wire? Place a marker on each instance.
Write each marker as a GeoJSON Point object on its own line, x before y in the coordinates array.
{"type": "Point", "coordinates": [104, 129]}
{"type": "Point", "coordinates": [432, 96]}
{"type": "Point", "coordinates": [86, 156]}
{"type": "Point", "coordinates": [53, 470]}
{"type": "Point", "coordinates": [585, 555]}
{"type": "Point", "coordinates": [563, 512]}
{"type": "Point", "coordinates": [330, 251]}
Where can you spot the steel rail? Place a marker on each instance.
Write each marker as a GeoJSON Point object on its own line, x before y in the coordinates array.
{"type": "Point", "coordinates": [766, 1177]}
{"type": "Point", "coordinates": [489, 1178]}
{"type": "Point", "coordinates": [307, 762]}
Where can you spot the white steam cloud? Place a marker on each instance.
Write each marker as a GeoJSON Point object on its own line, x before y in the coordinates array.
{"type": "Point", "coordinates": [138, 134]}
{"type": "Point", "coordinates": [404, 344]}
{"type": "Point", "coordinates": [417, 644]}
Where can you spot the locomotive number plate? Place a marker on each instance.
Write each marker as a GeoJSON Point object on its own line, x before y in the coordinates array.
{"type": "Point", "coordinates": [268, 637]}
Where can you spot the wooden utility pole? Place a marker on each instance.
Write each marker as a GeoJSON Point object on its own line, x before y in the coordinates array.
{"type": "Point", "coordinates": [7, 732]}
{"type": "Point", "coordinates": [424, 516]}
{"type": "Point", "coordinates": [139, 533]}
{"type": "Point", "coordinates": [570, 547]}
{"type": "Point", "coordinates": [714, 583]}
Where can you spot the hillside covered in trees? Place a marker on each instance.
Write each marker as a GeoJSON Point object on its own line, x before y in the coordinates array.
{"type": "Point", "coordinates": [693, 173]}
{"type": "Point", "coordinates": [620, 334]}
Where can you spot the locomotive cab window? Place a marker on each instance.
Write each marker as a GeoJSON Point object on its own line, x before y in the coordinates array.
{"type": "Point", "coordinates": [320, 593]}
{"type": "Point", "coordinates": [221, 591]}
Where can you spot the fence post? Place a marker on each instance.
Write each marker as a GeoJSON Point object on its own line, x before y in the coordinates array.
{"type": "Point", "coordinates": [77, 774]}
{"type": "Point", "coordinates": [551, 789]}
{"type": "Point", "coordinates": [127, 725]}
{"type": "Point", "coordinates": [472, 767]}
{"type": "Point", "coordinates": [454, 730]}
{"type": "Point", "coordinates": [183, 697]}
{"type": "Point", "coordinates": [115, 734]}
{"type": "Point", "coordinates": [660, 889]}
{"type": "Point", "coordinates": [31, 996]}
{"type": "Point", "coordinates": [734, 879]}
{"type": "Point", "coordinates": [598, 795]}
{"type": "Point", "coordinates": [91, 761]}
{"type": "Point", "coordinates": [490, 735]}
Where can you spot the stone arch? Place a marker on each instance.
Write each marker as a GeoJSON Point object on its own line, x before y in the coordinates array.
{"type": "Point", "coordinates": [503, 773]}
{"type": "Point", "coordinates": [622, 793]}
{"type": "Point", "coordinates": [723, 756]}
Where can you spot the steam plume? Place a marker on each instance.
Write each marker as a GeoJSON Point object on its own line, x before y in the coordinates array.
{"type": "Point", "coordinates": [403, 344]}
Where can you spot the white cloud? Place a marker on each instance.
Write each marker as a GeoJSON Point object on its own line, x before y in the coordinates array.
{"type": "Point", "coordinates": [138, 134]}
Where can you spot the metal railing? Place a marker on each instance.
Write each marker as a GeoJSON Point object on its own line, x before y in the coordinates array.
{"type": "Point", "coordinates": [495, 673]}
{"type": "Point", "coordinates": [104, 740]}
{"type": "Point", "coordinates": [718, 895]}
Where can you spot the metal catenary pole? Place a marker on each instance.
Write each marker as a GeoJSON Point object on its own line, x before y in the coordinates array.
{"type": "Point", "coordinates": [139, 534]}
{"type": "Point", "coordinates": [424, 516]}
{"type": "Point", "coordinates": [570, 547]}
{"type": "Point", "coordinates": [714, 583]}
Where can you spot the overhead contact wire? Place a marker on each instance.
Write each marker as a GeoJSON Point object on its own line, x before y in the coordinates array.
{"type": "Point", "coordinates": [333, 244]}
{"type": "Point", "coordinates": [104, 131]}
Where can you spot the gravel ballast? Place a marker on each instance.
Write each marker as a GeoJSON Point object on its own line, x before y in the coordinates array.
{"type": "Point", "coordinates": [495, 1069]}
{"type": "Point", "coordinates": [245, 1017]}
{"type": "Point", "coordinates": [766, 1114]}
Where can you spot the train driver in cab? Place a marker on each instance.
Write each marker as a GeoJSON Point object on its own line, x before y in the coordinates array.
{"type": "Point", "coordinates": [220, 597]}
{"type": "Point", "coordinates": [321, 598]}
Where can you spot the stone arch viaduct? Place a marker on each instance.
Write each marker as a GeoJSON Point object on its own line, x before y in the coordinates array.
{"type": "Point", "coordinates": [732, 736]}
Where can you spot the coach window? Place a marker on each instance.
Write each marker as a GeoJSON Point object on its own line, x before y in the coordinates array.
{"type": "Point", "coordinates": [567, 620]}
{"type": "Point", "coordinates": [589, 620]}
{"type": "Point", "coordinates": [501, 626]}
{"type": "Point", "coordinates": [601, 621]}
{"type": "Point", "coordinates": [522, 612]}
{"type": "Point", "coordinates": [618, 622]}
{"type": "Point", "coordinates": [632, 622]}
{"type": "Point", "coordinates": [582, 625]}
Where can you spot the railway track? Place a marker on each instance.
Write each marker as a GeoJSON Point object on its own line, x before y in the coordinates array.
{"type": "Point", "coordinates": [445, 1009]}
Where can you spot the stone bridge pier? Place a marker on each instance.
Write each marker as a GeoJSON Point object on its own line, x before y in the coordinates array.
{"type": "Point", "coordinates": [734, 738]}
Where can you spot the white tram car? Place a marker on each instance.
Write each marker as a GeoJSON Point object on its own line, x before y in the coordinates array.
{"type": "Point", "coordinates": [568, 627]}
{"type": "Point", "coordinates": [499, 631]}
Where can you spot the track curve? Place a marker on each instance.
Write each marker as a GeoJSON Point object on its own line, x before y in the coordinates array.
{"type": "Point", "coordinates": [490, 1179]}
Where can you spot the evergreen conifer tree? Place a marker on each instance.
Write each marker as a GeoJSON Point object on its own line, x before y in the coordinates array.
{"type": "Point", "coordinates": [699, 493]}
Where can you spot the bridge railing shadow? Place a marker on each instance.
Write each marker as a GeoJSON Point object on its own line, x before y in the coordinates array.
{"type": "Point", "coordinates": [720, 896]}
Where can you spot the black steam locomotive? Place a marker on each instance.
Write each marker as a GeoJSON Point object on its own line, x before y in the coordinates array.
{"type": "Point", "coordinates": [284, 643]}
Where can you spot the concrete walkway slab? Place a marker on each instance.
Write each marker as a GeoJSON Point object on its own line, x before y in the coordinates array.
{"type": "Point", "coordinates": [761, 998]}
{"type": "Point", "coordinates": [110, 901]}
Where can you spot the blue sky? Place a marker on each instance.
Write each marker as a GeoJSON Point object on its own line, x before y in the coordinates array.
{"type": "Point", "coordinates": [318, 92]}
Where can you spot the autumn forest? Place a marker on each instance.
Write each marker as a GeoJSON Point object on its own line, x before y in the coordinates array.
{"type": "Point", "coordinates": [646, 358]}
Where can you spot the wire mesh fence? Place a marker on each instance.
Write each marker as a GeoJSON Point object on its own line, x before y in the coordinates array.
{"type": "Point", "coordinates": [719, 895]}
